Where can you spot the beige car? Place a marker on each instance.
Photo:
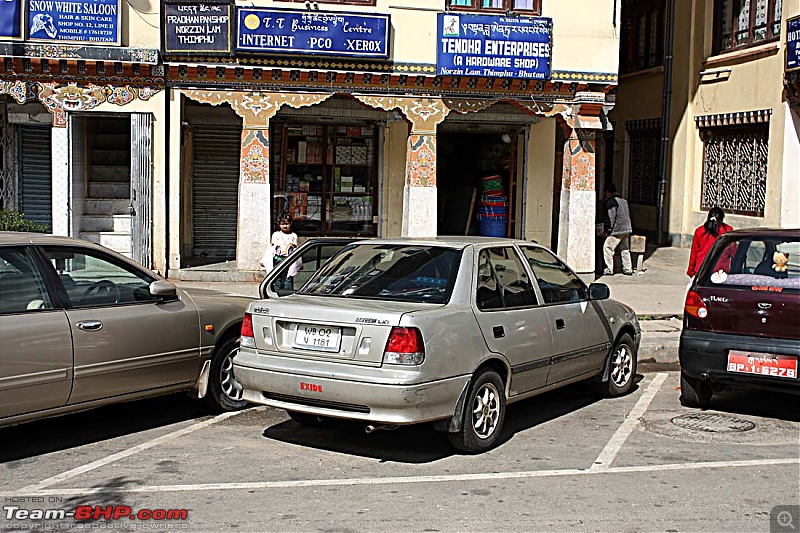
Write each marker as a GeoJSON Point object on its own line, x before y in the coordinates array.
{"type": "Point", "coordinates": [82, 326]}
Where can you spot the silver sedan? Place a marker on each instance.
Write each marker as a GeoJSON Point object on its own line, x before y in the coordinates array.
{"type": "Point", "coordinates": [82, 326]}
{"type": "Point", "coordinates": [447, 330]}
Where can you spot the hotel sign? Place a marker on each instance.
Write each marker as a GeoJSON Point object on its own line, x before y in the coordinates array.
{"type": "Point", "coordinates": [312, 32]}
{"type": "Point", "coordinates": [494, 46]}
{"type": "Point", "coordinates": [792, 44]}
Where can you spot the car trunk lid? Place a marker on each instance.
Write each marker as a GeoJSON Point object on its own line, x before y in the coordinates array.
{"type": "Point", "coordinates": [329, 328]}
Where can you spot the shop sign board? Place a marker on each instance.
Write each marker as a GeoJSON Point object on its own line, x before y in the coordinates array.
{"type": "Point", "coordinates": [312, 32]}
{"type": "Point", "coordinates": [492, 46]}
{"type": "Point", "coordinates": [792, 44]}
{"type": "Point", "coordinates": [197, 27]}
{"type": "Point", "coordinates": [79, 21]}
{"type": "Point", "coordinates": [10, 19]}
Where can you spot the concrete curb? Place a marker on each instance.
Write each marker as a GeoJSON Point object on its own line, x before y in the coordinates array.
{"type": "Point", "coordinates": [660, 340]}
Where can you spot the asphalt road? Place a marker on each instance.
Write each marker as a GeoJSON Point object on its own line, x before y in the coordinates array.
{"type": "Point", "coordinates": [570, 461]}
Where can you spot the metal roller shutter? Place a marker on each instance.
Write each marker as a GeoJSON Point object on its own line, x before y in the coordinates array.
{"type": "Point", "coordinates": [215, 190]}
{"type": "Point", "coordinates": [36, 180]}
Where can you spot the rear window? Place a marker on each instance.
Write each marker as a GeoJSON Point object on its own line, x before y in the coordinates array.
{"type": "Point", "coordinates": [756, 263]}
{"type": "Point", "coordinates": [388, 272]}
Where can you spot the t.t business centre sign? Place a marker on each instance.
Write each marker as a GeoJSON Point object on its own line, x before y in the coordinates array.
{"type": "Point", "coordinates": [312, 32]}
{"type": "Point", "coordinates": [494, 46]}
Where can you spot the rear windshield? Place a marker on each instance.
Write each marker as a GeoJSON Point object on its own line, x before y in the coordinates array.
{"type": "Point", "coordinates": [755, 263]}
{"type": "Point", "coordinates": [388, 272]}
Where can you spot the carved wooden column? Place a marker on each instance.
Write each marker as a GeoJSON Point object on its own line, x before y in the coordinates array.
{"type": "Point", "coordinates": [419, 192]}
{"type": "Point", "coordinates": [255, 203]}
{"type": "Point", "coordinates": [576, 237]}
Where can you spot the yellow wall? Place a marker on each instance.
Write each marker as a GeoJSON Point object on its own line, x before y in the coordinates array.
{"type": "Point", "coordinates": [588, 42]}
{"type": "Point", "coordinates": [539, 186]}
{"type": "Point", "coordinates": [141, 23]}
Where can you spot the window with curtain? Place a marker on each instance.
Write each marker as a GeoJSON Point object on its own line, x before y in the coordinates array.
{"type": "Point", "coordinates": [735, 168]}
{"type": "Point", "coordinates": [643, 163]}
{"type": "Point", "coordinates": [743, 23]}
{"type": "Point", "coordinates": [497, 6]}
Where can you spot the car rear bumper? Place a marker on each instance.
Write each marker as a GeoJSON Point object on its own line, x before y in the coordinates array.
{"type": "Point", "coordinates": [704, 354]}
{"type": "Point", "coordinates": [326, 393]}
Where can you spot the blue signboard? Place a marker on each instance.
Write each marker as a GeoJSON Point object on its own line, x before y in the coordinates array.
{"type": "Point", "coordinates": [793, 43]}
{"type": "Point", "coordinates": [83, 21]}
{"type": "Point", "coordinates": [10, 19]}
{"type": "Point", "coordinates": [200, 27]}
{"type": "Point", "coordinates": [494, 46]}
{"type": "Point", "coordinates": [312, 32]}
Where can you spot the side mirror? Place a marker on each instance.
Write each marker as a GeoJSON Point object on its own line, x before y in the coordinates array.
{"type": "Point", "coordinates": [599, 291]}
{"type": "Point", "coordinates": [164, 290]}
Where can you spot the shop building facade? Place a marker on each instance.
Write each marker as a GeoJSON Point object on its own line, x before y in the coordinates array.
{"type": "Point", "coordinates": [727, 119]}
{"type": "Point", "coordinates": [390, 137]}
{"type": "Point", "coordinates": [387, 146]}
{"type": "Point", "coordinates": [81, 117]}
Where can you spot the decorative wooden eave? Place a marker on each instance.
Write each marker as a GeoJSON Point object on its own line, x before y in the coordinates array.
{"type": "Point", "coordinates": [236, 77]}
{"type": "Point", "coordinates": [80, 64]}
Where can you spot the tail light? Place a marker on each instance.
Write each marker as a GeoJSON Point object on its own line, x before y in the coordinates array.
{"type": "Point", "coordinates": [404, 347]}
{"type": "Point", "coordinates": [695, 306]}
{"type": "Point", "coordinates": [248, 339]}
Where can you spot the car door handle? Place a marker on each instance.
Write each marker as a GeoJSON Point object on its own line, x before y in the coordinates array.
{"type": "Point", "coordinates": [560, 323]}
{"type": "Point", "coordinates": [90, 325]}
{"type": "Point", "coordinates": [499, 332]}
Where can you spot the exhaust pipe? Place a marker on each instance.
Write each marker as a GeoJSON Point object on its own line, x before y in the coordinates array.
{"type": "Point", "coordinates": [373, 428]}
{"type": "Point", "coordinates": [704, 376]}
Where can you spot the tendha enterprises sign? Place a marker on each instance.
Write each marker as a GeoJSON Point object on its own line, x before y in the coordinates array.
{"type": "Point", "coordinates": [494, 46]}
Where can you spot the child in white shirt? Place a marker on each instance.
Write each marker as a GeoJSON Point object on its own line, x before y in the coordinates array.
{"type": "Point", "coordinates": [282, 244]}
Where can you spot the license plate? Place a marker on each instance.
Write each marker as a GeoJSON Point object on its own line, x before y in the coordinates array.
{"type": "Point", "coordinates": [321, 338]}
{"type": "Point", "coordinates": [762, 364]}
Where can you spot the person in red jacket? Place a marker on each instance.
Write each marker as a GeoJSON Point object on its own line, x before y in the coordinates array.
{"type": "Point", "coordinates": [704, 238]}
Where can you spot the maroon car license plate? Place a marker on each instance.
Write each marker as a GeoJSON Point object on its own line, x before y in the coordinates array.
{"type": "Point", "coordinates": [762, 364]}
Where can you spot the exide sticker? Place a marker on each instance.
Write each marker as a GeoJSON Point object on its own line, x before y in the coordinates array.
{"type": "Point", "coordinates": [766, 288]}
{"type": "Point", "coordinates": [310, 387]}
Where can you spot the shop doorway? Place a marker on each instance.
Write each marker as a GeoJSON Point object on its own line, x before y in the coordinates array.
{"type": "Point", "coordinates": [476, 173]}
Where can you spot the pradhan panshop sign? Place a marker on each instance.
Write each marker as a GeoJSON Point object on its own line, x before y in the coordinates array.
{"type": "Point", "coordinates": [494, 46]}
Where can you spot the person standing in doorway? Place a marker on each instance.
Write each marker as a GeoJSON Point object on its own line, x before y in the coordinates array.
{"type": "Point", "coordinates": [618, 230]}
{"type": "Point", "coordinates": [704, 238]}
{"type": "Point", "coordinates": [281, 245]}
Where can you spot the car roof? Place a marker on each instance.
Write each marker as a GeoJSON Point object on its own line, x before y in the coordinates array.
{"type": "Point", "coordinates": [21, 237]}
{"type": "Point", "coordinates": [765, 232]}
{"type": "Point", "coordinates": [454, 241]}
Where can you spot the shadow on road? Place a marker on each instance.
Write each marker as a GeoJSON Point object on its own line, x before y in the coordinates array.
{"type": "Point", "coordinates": [68, 431]}
{"type": "Point", "coordinates": [420, 443]}
{"type": "Point", "coordinates": [765, 404]}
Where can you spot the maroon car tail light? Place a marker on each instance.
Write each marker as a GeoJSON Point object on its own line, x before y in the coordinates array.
{"type": "Point", "coordinates": [248, 339]}
{"type": "Point", "coordinates": [695, 306]}
{"type": "Point", "coordinates": [404, 347]}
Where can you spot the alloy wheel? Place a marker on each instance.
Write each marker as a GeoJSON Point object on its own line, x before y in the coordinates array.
{"type": "Point", "coordinates": [486, 410]}
{"type": "Point", "coordinates": [230, 387]}
{"type": "Point", "coordinates": [621, 365]}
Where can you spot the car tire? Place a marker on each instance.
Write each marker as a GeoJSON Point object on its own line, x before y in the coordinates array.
{"type": "Point", "coordinates": [305, 419]}
{"type": "Point", "coordinates": [484, 414]}
{"type": "Point", "coordinates": [224, 392]}
{"type": "Point", "coordinates": [622, 363]}
{"type": "Point", "coordinates": [695, 392]}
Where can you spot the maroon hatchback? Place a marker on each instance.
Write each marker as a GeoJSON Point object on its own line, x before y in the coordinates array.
{"type": "Point", "coordinates": [741, 321]}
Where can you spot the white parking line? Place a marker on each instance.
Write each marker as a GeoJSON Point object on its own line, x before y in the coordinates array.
{"type": "Point", "coordinates": [126, 453]}
{"type": "Point", "coordinates": [606, 457]}
{"type": "Point", "coordinates": [405, 480]}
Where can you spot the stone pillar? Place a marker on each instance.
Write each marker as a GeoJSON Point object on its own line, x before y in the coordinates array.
{"type": "Point", "coordinates": [62, 199]}
{"type": "Point", "coordinates": [420, 203]}
{"type": "Point", "coordinates": [576, 233]}
{"type": "Point", "coordinates": [419, 192]}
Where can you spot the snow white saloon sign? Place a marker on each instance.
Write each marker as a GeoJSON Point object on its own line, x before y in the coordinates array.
{"type": "Point", "coordinates": [80, 21]}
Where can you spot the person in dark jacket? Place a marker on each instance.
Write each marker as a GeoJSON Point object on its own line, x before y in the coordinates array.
{"type": "Point", "coordinates": [618, 230]}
